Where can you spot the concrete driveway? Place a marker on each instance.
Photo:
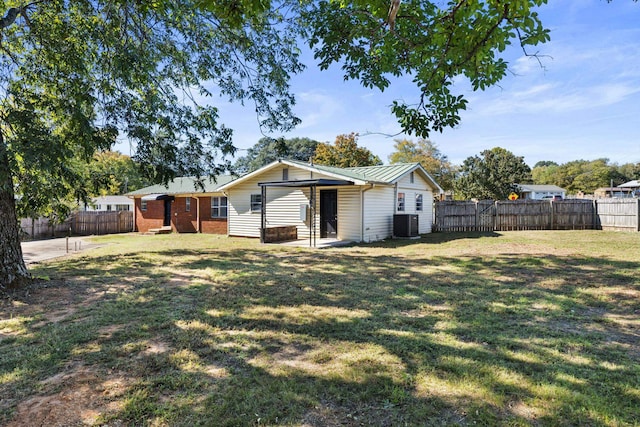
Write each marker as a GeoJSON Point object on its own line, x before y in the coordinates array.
{"type": "Point", "coordinates": [41, 250]}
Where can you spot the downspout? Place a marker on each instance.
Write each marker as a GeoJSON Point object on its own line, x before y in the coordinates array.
{"type": "Point", "coordinates": [197, 213]}
{"type": "Point", "coordinates": [135, 211]}
{"type": "Point", "coordinates": [228, 211]}
{"type": "Point", "coordinates": [362, 191]}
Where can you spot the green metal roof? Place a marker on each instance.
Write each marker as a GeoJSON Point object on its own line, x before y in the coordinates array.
{"type": "Point", "coordinates": [385, 174]}
{"type": "Point", "coordinates": [185, 185]}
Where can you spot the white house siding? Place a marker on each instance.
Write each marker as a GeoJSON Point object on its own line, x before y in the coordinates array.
{"type": "Point", "coordinates": [410, 190]}
{"type": "Point", "coordinates": [379, 205]}
{"type": "Point", "coordinates": [349, 213]}
{"type": "Point", "coordinates": [283, 204]}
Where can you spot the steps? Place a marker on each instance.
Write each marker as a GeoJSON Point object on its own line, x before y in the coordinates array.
{"type": "Point", "coordinates": [162, 230]}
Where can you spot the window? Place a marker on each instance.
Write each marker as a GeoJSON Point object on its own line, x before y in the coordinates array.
{"type": "Point", "coordinates": [285, 174]}
{"type": "Point", "coordinates": [122, 207]}
{"type": "Point", "coordinates": [109, 208]}
{"type": "Point", "coordinates": [418, 202]}
{"type": "Point", "coordinates": [187, 204]}
{"type": "Point", "coordinates": [400, 202]}
{"type": "Point", "coordinates": [143, 205]}
{"type": "Point", "coordinates": [256, 202]}
{"type": "Point", "coordinates": [411, 178]}
{"type": "Point", "coordinates": [219, 207]}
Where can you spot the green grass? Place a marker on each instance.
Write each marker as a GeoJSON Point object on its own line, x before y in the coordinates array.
{"type": "Point", "coordinates": [518, 328]}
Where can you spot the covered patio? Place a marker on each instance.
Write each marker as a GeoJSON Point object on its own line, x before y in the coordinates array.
{"type": "Point", "coordinates": [312, 184]}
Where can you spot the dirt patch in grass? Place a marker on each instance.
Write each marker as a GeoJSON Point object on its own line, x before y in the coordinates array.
{"type": "Point", "coordinates": [76, 396]}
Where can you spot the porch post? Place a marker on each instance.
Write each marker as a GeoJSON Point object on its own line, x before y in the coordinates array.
{"type": "Point", "coordinates": [314, 215]}
{"type": "Point", "coordinates": [263, 212]}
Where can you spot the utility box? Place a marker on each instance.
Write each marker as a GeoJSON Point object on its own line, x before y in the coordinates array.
{"type": "Point", "coordinates": [304, 212]}
{"type": "Point", "coordinates": [405, 225]}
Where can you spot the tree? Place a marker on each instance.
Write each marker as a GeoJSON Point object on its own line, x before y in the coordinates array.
{"type": "Point", "coordinates": [345, 153]}
{"type": "Point", "coordinates": [113, 173]}
{"type": "Point", "coordinates": [427, 154]}
{"type": "Point", "coordinates": [268, 150]}
{"type": "Point", "coordinates": [74, 76]}
{"type": "Point", "coordinates": [492, 175]}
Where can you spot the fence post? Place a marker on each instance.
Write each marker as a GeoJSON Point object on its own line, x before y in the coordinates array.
{"type": "Point", "coordinates": [476, 226]}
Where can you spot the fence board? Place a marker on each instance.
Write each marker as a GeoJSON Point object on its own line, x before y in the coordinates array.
{"type": "Point", "coordinates": [35, 228]}
{"type": "Point", "coordinates": [618, 214]}
{"type": "Point", "coordinates": [85, 223]}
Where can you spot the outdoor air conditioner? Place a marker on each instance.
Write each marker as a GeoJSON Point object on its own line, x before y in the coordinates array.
{"type": "Point", "coordinates": [405, 225]}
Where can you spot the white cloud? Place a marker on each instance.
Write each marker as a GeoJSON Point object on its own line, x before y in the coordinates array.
{"type": "Point", "coordinates": [316, 107]}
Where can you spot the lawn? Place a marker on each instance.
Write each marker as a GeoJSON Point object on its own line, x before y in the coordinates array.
{"type": "Point", "coordinates": [516, 328]}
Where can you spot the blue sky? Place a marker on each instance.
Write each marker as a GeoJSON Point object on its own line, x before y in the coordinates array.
{"type": "Point", "coordinates": [584, 103]}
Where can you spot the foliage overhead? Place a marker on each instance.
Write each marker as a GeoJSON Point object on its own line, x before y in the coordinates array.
{"type": "Point", "coordinates": [74, 76]}
{"type": "Point", "coordinates": [491, 175]}
{"type": "Point", "coordinates": [268, 150]}
{"type": "Point", "coordinates": [345, 153]}
{"type": "Point", "coordinates": [431, 43]}
{"type": "Point", "coordinates": [429, 156]}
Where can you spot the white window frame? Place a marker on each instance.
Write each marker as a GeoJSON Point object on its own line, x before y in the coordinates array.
{"type": "Point", "coordinates": [285, 174]}
{"type": "Point", "coordinates": [419, 202]}
{"type": "Point", "coordinates": [187, 204]}
{"type": "Point", "coordinates": [217, 206]}
{"type": "Point", "coordinates": [401, 202]}
{"type": "Point", "coordinates": [411, 178]}
{"type": "Point", "coordinates": [256, 203]}
{"type": "Point", "coordinates": [143, 205]}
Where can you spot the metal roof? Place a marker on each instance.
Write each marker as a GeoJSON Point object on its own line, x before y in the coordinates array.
{"type": "Point", "coordinates": [306, 183]}
{"type": "Point", "coordinates": [385, 174]}
{"type": "Point", "coordinates": [631, 184]}
{"type": "Point", "coordinates": [185, 185]}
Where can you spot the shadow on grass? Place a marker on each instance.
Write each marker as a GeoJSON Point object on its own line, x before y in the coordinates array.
{"type": "Point", "coordinates": [264, 336]}
{"type": "Point", "coordinates": [431, 238]}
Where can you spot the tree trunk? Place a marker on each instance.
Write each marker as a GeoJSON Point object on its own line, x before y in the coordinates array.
{"type": "Point", "coordinates": [13, 272]}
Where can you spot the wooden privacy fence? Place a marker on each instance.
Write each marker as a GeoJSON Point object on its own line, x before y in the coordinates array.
{"type": "Point", "coordinates": [37, 228]}
{"type": "Point", "coordinates": [618, 214]}
{"type": "Point", "coordinates": [86, 223]}
{"type": "Point", "coordinates": [568, 214]}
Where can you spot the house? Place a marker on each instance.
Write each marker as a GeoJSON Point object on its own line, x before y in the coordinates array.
{"type": "Point", "coordinates": [182, 206]}
{"type": "Point", "coordinates": [615, 192]}
{"type": "Point", "coordinates": [634, 186]}
{"type": "Point", "coordinates": [313, 201]}
{"type": "Point", "coordinates": [110, 203]}
{"type": "Point", "coordinates": [541, 192]}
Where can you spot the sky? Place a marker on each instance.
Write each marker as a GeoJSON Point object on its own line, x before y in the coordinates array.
{"type": "Point", "coordinates": [583, 103]}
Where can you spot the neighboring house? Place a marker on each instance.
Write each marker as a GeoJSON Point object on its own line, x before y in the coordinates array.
{"type": "Point", "coordinates": [616, 192]}
{"type": "Point", "coordinates": [541, 192]}
{"type": "Point", "coordinates": [183, 206]}
{"type": "Point", "coordinates": [110, 203]}
{"type": "Point", "coordinates": [349, 204]}
{"type": "Point", "coordinates": [634, 186]}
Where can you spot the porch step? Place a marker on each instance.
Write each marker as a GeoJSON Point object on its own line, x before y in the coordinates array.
{"type": "Point", "coordinates": [162, 230]}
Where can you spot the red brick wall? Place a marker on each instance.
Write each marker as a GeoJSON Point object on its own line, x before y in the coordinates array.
{"type": "Point", "coordinates": [151, 218]}
{"type": "Point", "coordinates": [181, 220]}
{"type": "Point", "coordinates": [208, 224]}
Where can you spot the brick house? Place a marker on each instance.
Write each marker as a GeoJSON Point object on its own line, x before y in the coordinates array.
{"type": "Point", "coordinates": [182, 206]}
